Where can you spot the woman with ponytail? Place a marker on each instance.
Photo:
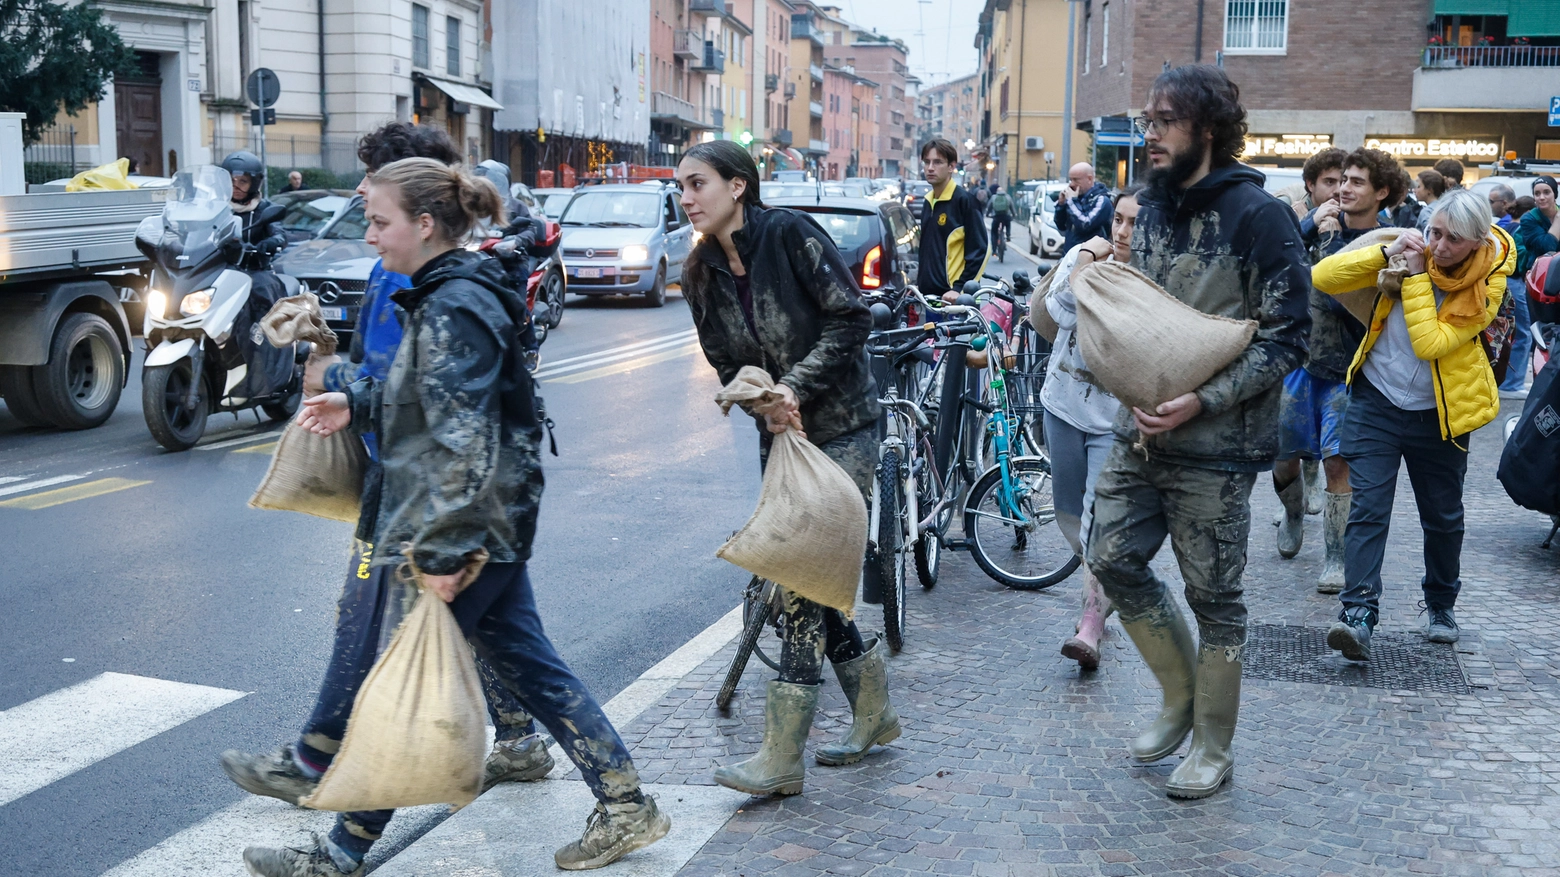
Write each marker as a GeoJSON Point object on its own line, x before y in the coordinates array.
{"type": "Point", "coordinates": [459, 447]}
{"type": "Point", "coordinates": [768, 288]}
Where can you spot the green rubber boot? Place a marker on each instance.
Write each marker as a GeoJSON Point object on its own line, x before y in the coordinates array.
{"type": "Point", "coordinates": [1166, 645]}
{"type": "Point", "coordinates": [873, 720]}
{"type": "Point", "coordinates": [1209, 763]}
{"type": "Point", "coordinates": [777, 768]}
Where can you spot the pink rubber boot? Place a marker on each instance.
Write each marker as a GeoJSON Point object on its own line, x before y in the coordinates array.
{"type": "Point", "coordinates": [1084, 646]}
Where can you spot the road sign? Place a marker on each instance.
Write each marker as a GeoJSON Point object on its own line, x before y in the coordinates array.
{"type": "Point", "coordinates": [1554, 112]}
{"type": "Point", "coordinates": [263, 87]}
{"type": "Point", "coordinates": [269, 119]}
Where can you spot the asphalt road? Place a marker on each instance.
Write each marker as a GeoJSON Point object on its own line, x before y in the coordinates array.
{"type": "Point", "coordinates": [166, 573]}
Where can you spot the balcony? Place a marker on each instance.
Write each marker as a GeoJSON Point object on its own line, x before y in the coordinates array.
{"type": "Point", "coordinates": [1461, 78]}
{"type": "Point", "coordinates": [771, 82]}
{"type": "Point", "coordinates": [816, 107]}
{"type": "Point", "coordinates": [669, 108]}
{"type": "Point", "coordinates": [790, 90]}
{"type": "Point", "coordinates": [688, 45]}
{"type": "Point", "coordinates": [802, 28]}
{"type": "Point", "coordinates": [818, 146]}
{"type": "Point", "coordinates": [714, 60]}
{"type": "Point", "coordinates": [816, 70]}
{"type": "Point", "coordinates": [707, 7]}
{"type": "Point", "coordinates": [781, 137]}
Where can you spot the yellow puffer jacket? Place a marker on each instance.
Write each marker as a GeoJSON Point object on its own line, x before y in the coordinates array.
{"type": "Point", "coordinates": [1466, 396]}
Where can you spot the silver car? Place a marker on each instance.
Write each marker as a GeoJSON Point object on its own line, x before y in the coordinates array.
{"type": "Point", "coordinates": [625, 239]}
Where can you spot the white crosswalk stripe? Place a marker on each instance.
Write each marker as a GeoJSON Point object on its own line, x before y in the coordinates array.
{"type": "Point", "coordinates": [45, 740]}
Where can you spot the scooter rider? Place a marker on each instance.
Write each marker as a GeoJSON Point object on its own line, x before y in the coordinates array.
{"type": "Point", "coordinates": [261, 232]}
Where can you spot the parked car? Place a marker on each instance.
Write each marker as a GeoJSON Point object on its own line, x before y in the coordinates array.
{"type": "Point", "coordinates": [915, 195]}
{"type": "Point", "coordinates": [552, 201]}
{"type": "Point", "coordinates": [309, 210]}
{"type": "Point", "coordinates": [1279, 178]}
{"type": "Point", "coordinates": [623, 239]}
{"type": "Point", "coordinates": [879, 239]}
{"type": "Point", "coordinates": [1045, 239]}
{"type": "Point", "coordinates": [335, 265]}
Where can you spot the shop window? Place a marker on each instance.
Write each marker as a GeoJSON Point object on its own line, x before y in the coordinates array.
{"type": "Point", "coordinates": [1256, 26]}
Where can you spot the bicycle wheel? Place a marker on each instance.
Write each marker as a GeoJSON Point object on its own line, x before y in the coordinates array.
{"type": "Point", "coordinates": [746, 645]}
{"type": "Point", "coordinates": [760, 597]}
{"type": "Point", "coordinates": [890, 553]}
{"type": "Point", "coordinates": [1028, 553]}
{"type": "Point", "coordinates": [928, 492]}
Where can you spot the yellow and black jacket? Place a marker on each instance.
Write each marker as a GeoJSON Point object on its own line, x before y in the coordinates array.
{"type": "Point", "coordinates": [953, 240]}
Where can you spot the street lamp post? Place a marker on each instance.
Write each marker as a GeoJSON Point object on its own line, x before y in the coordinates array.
{"type": "Point", "coordinates": [1067, 99]}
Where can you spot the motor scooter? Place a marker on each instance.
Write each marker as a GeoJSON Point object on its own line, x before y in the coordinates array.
{"type": "Point", "coordinates": [205, 349]}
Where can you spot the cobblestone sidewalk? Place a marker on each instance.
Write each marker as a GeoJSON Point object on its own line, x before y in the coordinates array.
{"type": "Point", "coordinates": [1013, 763]}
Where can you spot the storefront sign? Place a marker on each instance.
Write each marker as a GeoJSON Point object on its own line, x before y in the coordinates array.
{"type": "Point", "coordinates": [1434, 150]}
{"type": "Point", "coordinates": [1285, 145]}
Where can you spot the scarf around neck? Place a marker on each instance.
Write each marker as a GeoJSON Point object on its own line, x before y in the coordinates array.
{"type": "Point", "coordinates": [1467, 286]}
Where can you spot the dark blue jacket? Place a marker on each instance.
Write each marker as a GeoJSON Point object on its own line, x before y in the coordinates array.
{"type": "Point", "coordinates": [375, 337]}
{"type": "Point", "coordinates": [1085, 217]}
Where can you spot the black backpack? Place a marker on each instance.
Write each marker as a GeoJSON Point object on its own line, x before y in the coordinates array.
{"type": "Point", "coordinates": [1530, 463]}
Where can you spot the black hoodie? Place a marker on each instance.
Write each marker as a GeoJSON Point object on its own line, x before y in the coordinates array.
{"type": "Point", "coordinates": [1225, 246]}
{"type": "Point", "coordinates": [456, 420]}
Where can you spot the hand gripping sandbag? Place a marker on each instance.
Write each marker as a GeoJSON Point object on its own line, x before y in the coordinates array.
{"type": "Point", "coordinates": [309, 473]}
{"type": "Point", "coordinates": [809, 531]}
{"type": "Point", "coordinates": [1361, 303]}
{"type": "Point", "coordinates": [418, 732]}
{"type": "Point", "coordinates": [1144, 346]}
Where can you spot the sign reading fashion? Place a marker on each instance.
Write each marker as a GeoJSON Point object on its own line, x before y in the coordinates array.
{"type": "Point", "coordinates": [1285, 145]}
{"type": "Point", "coordinates": [1433, 149]}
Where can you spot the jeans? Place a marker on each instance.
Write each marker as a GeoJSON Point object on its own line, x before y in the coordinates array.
{"type": "Point", "coordinates": [1377, 435]}
{"type": "Point", "coordinates": [1521, 336]}
{"type": "Point", "coordinates": [498, 615]}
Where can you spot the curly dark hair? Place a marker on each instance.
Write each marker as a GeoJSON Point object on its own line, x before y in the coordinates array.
{"type": "Point", "coordinates": [1204, 97]}
{"type": "Point", "coordinates": [398, 140]}
{"type": "Point", "coordinates": [1382, 169]}
{"type": "Point", "coordinates": [1323, 161]}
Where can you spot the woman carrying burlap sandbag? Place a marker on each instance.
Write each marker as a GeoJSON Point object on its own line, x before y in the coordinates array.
{"type": "Point", "coordinates": [459, 442]}
{"type": "Point", "coordinates": [767, 288]}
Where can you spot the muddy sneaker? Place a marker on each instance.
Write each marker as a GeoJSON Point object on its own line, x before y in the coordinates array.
{"type": "Point", "coordinates": [517, 761]}
{"type": "Point", "coordinates": [612, 832]}
{"type": "Point", "coordinates": [289, 862]}
{"type": "Point", "coordinates": [1442, 627]}
{"type": "Point", "coordinates": [273, 774]}
{"type": "Point", "coordinates": [1351, 635]}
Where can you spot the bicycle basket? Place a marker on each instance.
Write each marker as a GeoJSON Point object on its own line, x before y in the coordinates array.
{"type": "Point", "coordinates": [1024, 379]}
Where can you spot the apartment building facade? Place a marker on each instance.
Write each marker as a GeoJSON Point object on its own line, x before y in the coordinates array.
{"type": "Point", "coordinates": [1021, 85]}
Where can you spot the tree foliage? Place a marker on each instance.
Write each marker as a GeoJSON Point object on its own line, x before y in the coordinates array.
{"type": "Point", "coordinates": [54, 56]}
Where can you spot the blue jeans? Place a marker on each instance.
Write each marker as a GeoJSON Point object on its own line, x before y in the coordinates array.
{"type": "Point", "coordinates": [1377, 436]}
{"type": "Point", "coordinates": [1521, 338]}
{"type": "Point", "coordinates": [498, 615]}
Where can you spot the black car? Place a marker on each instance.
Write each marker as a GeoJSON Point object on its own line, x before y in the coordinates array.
{"type": "Point", "coordinates": [879, 239]}
{"type": "Point", "coordinates": [915, 195]}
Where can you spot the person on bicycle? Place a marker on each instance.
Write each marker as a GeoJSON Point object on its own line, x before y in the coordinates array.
{"type": "Point", "coordinates": [767, 288]}
{"type": "Point", "coordinates": [1001, 218]}
{"type": "Point", "coordinates": [1078, 418]}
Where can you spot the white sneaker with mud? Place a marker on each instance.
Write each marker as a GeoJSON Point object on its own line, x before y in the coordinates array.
{"type": "Point", "coordinates": [291, 862]}
{"type": "Point", "coordinates": [517, 761]}
{"type": "Point", "coordinates": [272, 774]}
{"type": "Point", "coordinates": [613, 831]}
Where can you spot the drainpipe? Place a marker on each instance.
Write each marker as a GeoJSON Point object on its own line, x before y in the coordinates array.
{"type": "Point", "coordinates": [1067, 99]}
{"type": "Point", "coordinates": [1023, 30]}
{"type": "Point", "coordinates": [1197, 46]}
{"type": "Point", "coordinates": [319, 14]}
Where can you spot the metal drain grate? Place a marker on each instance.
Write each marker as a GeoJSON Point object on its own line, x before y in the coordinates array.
{"type": "Point", "coordinates": [1282, 653]}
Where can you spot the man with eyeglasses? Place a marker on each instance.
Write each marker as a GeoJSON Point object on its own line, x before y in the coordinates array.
{"type": "Point", "coordinates": [1210, 235]}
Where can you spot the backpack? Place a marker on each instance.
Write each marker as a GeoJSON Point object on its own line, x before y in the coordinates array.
{"type": "Point", "coordinates": [1530, 463]}
{"type": "Point", "coordinates": [1001, 203]}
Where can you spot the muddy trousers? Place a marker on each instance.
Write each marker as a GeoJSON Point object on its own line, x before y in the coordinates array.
{"type": "Point", "coordinates": [498, 615]}
{"type": "Point", "coordinates": [360, 614]}
{"type": "Point", "coordinates": [1207, 515]}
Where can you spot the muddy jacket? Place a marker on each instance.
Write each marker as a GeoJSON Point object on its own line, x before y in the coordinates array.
{"type": "Point", "coordinates": [1226, 247]}
{"type": "Point", "coordinates": [810, 321]}
{"type": "Point", "coordinates": [456, 421]}
{"type": "Point", "coordinates": [1335, 334]}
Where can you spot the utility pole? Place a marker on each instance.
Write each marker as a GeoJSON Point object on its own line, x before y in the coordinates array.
{"type": "Point", "coordinates": [1067, 99]}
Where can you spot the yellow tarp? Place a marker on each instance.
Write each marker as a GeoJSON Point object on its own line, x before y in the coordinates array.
{"type": "Point", "coordinates": [114, 175]}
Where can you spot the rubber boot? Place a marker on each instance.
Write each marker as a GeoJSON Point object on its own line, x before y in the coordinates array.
{"type": "Point", "coordinates": [1084, 646]}
{"type": "Point", "coordinates": [1209, 763]}
{"type": "Point", "coordinates": [1291, 529]}
{"type": "Point", "coordinates": [873, 720]}
{"type": "Point", "coordinates": [1166, 645]}
{"type": "Point", "coordinates": [1334, 522]}
{"type": "Point", "coordinates": [777, 768]}
{"type": "Point", "coordinates": [1315, 486]}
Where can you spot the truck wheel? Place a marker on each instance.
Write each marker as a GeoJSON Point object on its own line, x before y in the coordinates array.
{"type": "Point", "coordinates": [80, 386]}
{"type": "Point", "coordinates": [163, 390]}
{"type": "Point", "coordinates": [16, 385]}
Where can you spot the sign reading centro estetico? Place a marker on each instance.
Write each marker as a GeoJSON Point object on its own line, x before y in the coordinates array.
{"type": "Point", "coordinates": [1433, 149]}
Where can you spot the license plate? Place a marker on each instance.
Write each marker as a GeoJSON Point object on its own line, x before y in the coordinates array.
{"type": "Point", "coordinates": [337, 314]}
{"type": "Point", "coordinates": [587, 272]}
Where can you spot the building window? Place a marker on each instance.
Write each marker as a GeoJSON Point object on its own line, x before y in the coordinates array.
{"type": "Point", "coordinates": [1088, 32]}
{"type": "Point", "coordinates": [1256, 26]}
{"type": "Point", "coordinates": [452, 45]}
{"type": "Point", "coordinates": [420, 36]}
{"type": "Point", "coordinates": [1104, 35]}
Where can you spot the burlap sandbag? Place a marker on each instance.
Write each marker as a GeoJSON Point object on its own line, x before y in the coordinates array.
{"type": "Point", "coordinates": [1144, 346]}
{"type": "Point", "coordinates": [418, 732]}
{"type": "Point", "coordinates": [1361, 303]}
{"type": "Point", "coordinates": [809, 531]}
{"type": "Point", "coordinates": [309, 473]}
{"type": "Point", "coordinates": [1039, 317]}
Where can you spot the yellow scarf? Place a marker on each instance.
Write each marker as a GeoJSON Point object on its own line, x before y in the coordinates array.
{"type": "Point", "coordinates": [1466, 287]}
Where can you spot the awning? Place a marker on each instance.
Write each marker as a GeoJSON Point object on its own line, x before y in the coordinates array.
{"type": "Point", "coordinates": [1524, 18]}
{"type": "Point", "coordinates": [466, 94]}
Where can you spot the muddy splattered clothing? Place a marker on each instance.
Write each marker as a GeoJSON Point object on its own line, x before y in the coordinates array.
{"type": "Point", "coordinates": [456, 420]}
{"type": "Point", "coordinates": [808, 630]}
{"type": "Point", "coordinates": [497, 613]}
{"type": "Point", "coordinates": [809, 324]}
{"type": "Point", "coordinates": [1226, 247]}
{"type": "Point", "coordinates": [1207, 515]}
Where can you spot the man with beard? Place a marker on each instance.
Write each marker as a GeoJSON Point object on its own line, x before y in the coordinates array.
{"type": "Point", "coordinates": [1083, 209]}
{"type": "Point", "coordinates": [1316, 396]}
{"type": "Point", "coordinates": [1210, 235]}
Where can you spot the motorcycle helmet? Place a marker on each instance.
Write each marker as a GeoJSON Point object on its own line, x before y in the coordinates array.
{"type": "Point", "coordinates": [497, 173]}
{"type": "Point", "coordinates": [246, 163]}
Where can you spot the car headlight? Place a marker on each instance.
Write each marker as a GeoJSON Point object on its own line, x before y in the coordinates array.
{"type": "Point", "coordinates": [156, 303]}
{"type": "Point", "coordinates": [636, 253]}
{"type": "Point", "coordinates": [195, 303]}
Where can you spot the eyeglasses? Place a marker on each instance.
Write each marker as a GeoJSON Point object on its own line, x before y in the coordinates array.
{"type": "Point", "coordinates": [1160, 126]}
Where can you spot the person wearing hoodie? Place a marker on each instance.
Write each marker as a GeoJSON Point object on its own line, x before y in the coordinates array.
{"type": "Point", "coordinates": [768, 288]}
{"type": "Point", "coordinates": [1082, 207]}
{"type": "Point", "coordinates": [1212, 238]}
{"type": "Point", "coordinates": [460, 452]}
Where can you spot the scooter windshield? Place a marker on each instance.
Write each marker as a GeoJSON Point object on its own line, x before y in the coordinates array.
{"type": "Point", "coordinates": [199, 215]}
